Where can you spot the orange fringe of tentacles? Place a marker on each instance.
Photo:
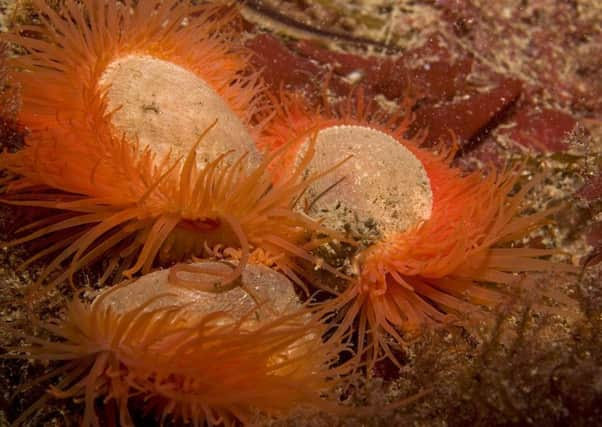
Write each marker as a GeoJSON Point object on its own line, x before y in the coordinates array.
{"type": "Point", "coordinates": [68, 52]}
{"type": "Point", "coordinates": [112, 198]}
{"type": "Point", "coordinates": [183, 366]}
{"type": "Point", "coordinates": [425, 274]}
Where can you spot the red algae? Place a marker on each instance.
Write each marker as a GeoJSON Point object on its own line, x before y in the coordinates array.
{"type": "Point", "coordinates": [281, 66]}
{"type": "Point", "coordinates": [546, 130]}
{"type": "Point", "coordinates": [468, 117]}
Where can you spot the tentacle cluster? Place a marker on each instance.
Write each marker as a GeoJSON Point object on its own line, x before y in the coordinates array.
{"type": "Point", "coordinates": [438, 268]}
{"type": "Point", "coordinates": [185, 366]}
{"type": "Point", "coordinates": [71, 49]}
{"type": "Point", "coordinates": [113, 195]}
{"type": "Point", "coordinates": [128, 205]}
{"type": "Point", "coordinates": [435, 273]}
{"type": "Point", "coordinates": [116, 200]}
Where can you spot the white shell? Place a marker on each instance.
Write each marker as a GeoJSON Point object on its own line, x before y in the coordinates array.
{"type": "Point", "coordinates": [263, 294]}
{"type": "Point", "coordinates": [383, 185]}
{"type": "Point", "coordinates": [168, 107]}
